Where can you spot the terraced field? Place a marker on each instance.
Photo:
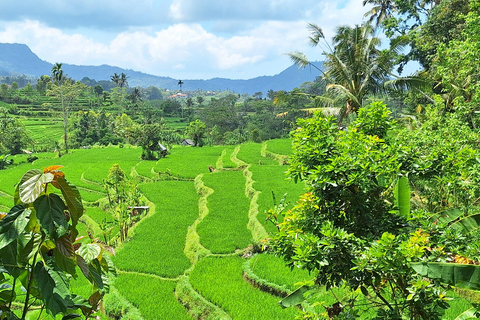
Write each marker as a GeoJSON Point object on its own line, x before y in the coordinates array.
{"type": "Point", "coordinates": [186, 258]}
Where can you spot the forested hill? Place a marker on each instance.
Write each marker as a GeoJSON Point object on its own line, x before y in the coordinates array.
{"type": "Point", "coordinates": [18, 59]}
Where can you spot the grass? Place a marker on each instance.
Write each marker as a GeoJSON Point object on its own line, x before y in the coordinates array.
{"type": "Point", "coordinates": [219, 280]}
{"type": "Point", "coordinates": [188, 162]}
{"type": "Point", "coordinates": [144, 168]}
{"type": "Point", "coordinates": [251, 153]}
{"type": "Point", "coordinates": [273, 270]}
{"type": "Point", "coordinates": [272, 182]}
{"type": "Point", "coordinates": [152, 296]}
{"type": "Point", "coordinates": [157, 247]}
{"type": "Point", "coordinates": [224, 229]}
{"type": "Point", "coordinates": [280, 146]}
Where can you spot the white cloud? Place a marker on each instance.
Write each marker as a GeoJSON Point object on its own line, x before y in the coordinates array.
{"type": "Point", "coordinates": [187, 50]}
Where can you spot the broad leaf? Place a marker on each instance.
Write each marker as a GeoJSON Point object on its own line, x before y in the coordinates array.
{"type": "Point", "coordinates": [32, 185]}
{"type": "Point", "coordinates": [8, 259]}
{"type": "Point", "coordinates": [402, 196]}
{"type": "Point", "coordinates": [73, 199]}
{"type": "Point", "coordinates": [469, 223]}
{"type": "Point", "coordinates": [50, 213]}
{"type": "Point", "coordinates": [446, 217]}
{"type": "Point", "coordinates": [294, 298]}
{"type": "Point", "coordinates": [13, 224]}
{"type": "Point", "coordinates": [89, 251]}
{"type": "Point", "coordinates": [53, 286]}
{"type": "Point", "coordinates": [467, 314]}
{"type": "Point", "coordinates": [82, 265]}
{"type": "Point", "coordinates": [96, 276]}
{"type": "Point", "coordinates": [28, 244]}
{"type": "Point", "coordinates": [82, 303]}
{"type": "Point", "coordinates": [71, 316]}
{"type": "Point", "coordinates": [66, 264]}
{"type": "Point", "coordinates": [65, 246]}
{"type": "Point", "coordinates": [458, 275]}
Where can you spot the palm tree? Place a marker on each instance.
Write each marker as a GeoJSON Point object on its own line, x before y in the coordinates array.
{"type": "Point", "coordinates": [382, 9]}
{"type": "Point", "coordinates": [115, 78]}
{"type": "Point", "coordinates": [123, 80]}
{"type": "Point", "coordinates": [136, 95]}
{"type": "Point", "coordinates": [353, 68]}
{"type": "Point", "coordinates": [57, 72]}
{"type": "Point", "coordinates": [180, 83]}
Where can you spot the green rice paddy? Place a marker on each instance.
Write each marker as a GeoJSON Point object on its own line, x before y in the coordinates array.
{"type": "Point", "coordinates": [188, 234]}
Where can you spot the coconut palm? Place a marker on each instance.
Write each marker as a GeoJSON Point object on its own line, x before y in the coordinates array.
{"type": "Point", "coordinates": [57, 72]}
{"type": "Point", "coordinates": [123, 80]}
{"type": "Point", "coordinates": [115, 78]}
{"type": "Point", "coordinates": [180, 84]}
{"type": "Point", "coordinates": [353, 68]}
{"type": "Point", "coordinates": [381, 10]}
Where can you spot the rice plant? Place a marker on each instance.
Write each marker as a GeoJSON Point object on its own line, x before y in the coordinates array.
{"type": "Point", "coordinates": [158, 241]}
{"type": "Point", "coordinates": [224, 229]}
{"type": "Point", "coordinates": [219, 280]}
{"type": "Point", "coordinates": [153, 297]}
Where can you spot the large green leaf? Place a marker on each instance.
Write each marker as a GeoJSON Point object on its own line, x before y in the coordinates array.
{"type": "Point", "coordinates": [469, 223]}
{"type": "Point", "coordinates": [402, 196]}
{"type": "Point", "coordinates": [447, 217]}
{"type": "Point", "coordinates": [96, 276]}
{"type": "Point", "coordinates": [294, 298]}
{"type": "Point", "coordinates": [32, 185]}
{"type": "Point", "coordinates": [50, 213]}
{"type": "Point", "coordinates": [73, 199]}
{"type": "Point", "coordinates": [53, 286]}
{"type": "Point", "coordinates": [65, 263]}
{"type": "Point", "coordinates": [467, 314]}
{"type": "Point", "coordinates": [458, 275]}
{"type": "Point", "coordinates": [455, 219]}
{"type": "Point", "coordinates": [13, 224]}
{"type": "Point", "coordinates": [89, 251]}
{"type": "Point", "coordinates": [28, 244]}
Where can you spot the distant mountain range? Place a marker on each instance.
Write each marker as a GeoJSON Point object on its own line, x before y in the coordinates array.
{"type": "Point", "coordinates": [17, 59]}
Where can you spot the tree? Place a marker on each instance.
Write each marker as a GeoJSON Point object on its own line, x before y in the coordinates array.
{"type": "Point", "coordinates": [180, 84]}
{"type": "Point", "coordinates": [382, 9]}
{"type": "Point", "coordinates": [222, 113]}
{"type": "Point", "coordinates": [123, 194]}
{"type": "Point", "coordinates": [122, 82]}
{"type": "Point", "coordinates": [57, 73]}
{"type": "Point", "coordinates": [66, 93]}
{"type": "Point", "coordinates": [15, 137]}
{"type": "Point", "coordinates": [115, 78]}
{"type": "Point", "coordinates": [354, 66]}
{"type": "Point", "coordinates": [42, 84]}
{"type": "Point", "coordinates": [39, 253]}
{"type": "Point", "coordinates": [3, 91]}
{"type": "Point", "coordinates": [98, 89]}
{"type": "Point", "coordinates": [148, 137]}
{"type": "Point", "coordinates": [196, 130]}
{"type": "Point", "coordinates": [347, 228]}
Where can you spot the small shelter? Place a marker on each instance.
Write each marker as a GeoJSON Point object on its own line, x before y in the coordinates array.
{"type": "Point", "coordinates": [187, 142]}
{"type": "Point", "coordinates": [162, 150]}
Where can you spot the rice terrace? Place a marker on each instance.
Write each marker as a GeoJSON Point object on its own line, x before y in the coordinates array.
{"type": "Point", "coordinates": [336, 189]}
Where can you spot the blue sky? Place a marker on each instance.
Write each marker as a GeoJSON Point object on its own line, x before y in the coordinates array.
{"type": "Point", "coordinates": [182, 39]}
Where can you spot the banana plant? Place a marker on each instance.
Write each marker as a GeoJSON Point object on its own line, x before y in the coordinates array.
{"type": "Point", "coordinates": [40, 250]}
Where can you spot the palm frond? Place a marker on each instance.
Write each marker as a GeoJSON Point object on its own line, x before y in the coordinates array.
{"type": "Point", "coordinates": [316, 34]}
{"type": "Point", "coordinates": [409, 83]}
{"type": "Point", "coordinates": [299, 59]}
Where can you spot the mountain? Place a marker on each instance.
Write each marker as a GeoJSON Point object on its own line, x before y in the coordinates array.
{"type": "Point", "coordinates": [17, 59]}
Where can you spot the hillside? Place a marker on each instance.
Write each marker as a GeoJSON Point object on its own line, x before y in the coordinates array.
{"type": "Point", "coordinates": [19, 59]}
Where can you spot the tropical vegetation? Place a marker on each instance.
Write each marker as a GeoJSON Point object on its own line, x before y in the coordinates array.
{"type": "Point", "coordinates": [377, 216]}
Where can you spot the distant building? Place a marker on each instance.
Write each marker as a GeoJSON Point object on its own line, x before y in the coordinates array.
{"type": "Point", "coordinates": [178, 95]}
{"type": "Point", "coordinates": [187, 142]}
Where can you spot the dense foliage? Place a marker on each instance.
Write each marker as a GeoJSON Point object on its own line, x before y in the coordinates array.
{"type": "Point", "coordinates": [40, 252]}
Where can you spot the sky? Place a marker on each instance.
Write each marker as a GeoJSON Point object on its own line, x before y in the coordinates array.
{"type": "Point", "coordinates": [182, 39]}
